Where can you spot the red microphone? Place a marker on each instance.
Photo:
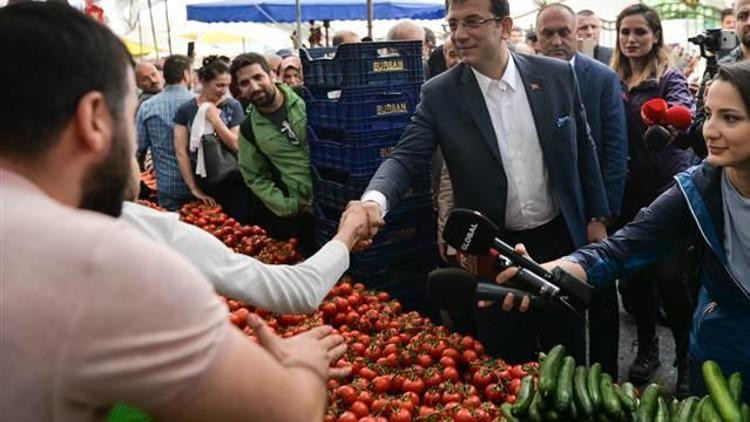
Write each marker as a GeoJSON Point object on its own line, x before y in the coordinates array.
{"type": "Point", "coordinates": [654, 111]}
{"type": "Point", "coordinates": [679, 117]}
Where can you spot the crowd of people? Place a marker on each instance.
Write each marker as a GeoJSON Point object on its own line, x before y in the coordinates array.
{"type": "Point", "coordinates": [549, 143]}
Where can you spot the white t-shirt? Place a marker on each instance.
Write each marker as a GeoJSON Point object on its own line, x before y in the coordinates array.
{"type": "Point", "coordinates": [94, 313]}
{"type": "Point", "coordinates": [279, 288]}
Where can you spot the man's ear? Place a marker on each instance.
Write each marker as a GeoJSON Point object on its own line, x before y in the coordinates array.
{"type": "Point", "coordinates": [94, 123]}
{"type": "Point", "coordinates": [506, 24]}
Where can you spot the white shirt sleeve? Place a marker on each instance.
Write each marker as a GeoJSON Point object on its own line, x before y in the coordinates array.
{"type": "Point", "coordinates": [378, 198]}
{"type": "Point", "coordinates": [279, 288]}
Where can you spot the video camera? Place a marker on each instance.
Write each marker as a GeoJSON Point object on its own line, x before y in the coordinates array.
{"type": "Point", "coordinates": [714, 40]}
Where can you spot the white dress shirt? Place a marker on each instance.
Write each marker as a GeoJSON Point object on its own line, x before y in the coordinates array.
{"type": "Point", "coordinates": [279, 288]}
{"type": "Point", "coordinates": [530, 200]}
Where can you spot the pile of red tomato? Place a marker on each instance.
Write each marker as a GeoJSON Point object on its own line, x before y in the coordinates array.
{"type": "Point", "coordinates": [404, 367]}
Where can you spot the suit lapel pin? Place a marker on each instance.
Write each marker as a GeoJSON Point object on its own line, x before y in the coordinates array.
{"type": "Point", "coordinates": [535, 86]}
{"type": "Point", "coordinates": [562, 121]}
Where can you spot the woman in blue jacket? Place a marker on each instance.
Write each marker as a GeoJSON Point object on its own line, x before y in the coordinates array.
{"type": "Point", "coordinates": [711, 203]}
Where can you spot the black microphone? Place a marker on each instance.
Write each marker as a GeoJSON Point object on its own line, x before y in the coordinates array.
{"type": "Point", "coordinates": [471, 232]}
{"type": "Point", "coordinates": [455, 289]}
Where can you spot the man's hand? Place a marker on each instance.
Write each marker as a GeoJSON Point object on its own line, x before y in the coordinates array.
{"type": "Point", "coordinates": [596, 231]}
{"type": "Point", "coordinates": [354, 228]}
{"type": "Point", "coordinates": [370, 211]}
{"type": "Point", "coordinates": [504, 277]}
{"type": "Point", "coordinates": [198, 194]}
{"type": "Point", "coordinates": [318, 347]}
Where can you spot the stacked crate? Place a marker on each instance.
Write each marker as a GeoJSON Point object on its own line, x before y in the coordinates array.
{"type": "Point", "coordinates": [359, 100]}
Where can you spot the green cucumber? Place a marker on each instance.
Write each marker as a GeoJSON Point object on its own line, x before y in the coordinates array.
{"type": "Point", "coordinates": [592, 383]}
{"type": "Point", "coordinates": [523, 400]}
{"type": "Point", "coordinates": [551, 415]}
{"type": "Point", "coordinates": [674, 405]}
{"type": "Point", "coordinates": [610, 401]}
{"type": "Point", "coordinates": [549, 369]}
{"type": "Point", "coordinates": [709, 412]}
{"type": "Point", "coordinates": [745, 412]}
{"type": "Point", "coordinates": [626, 394]}
{"type": "Point", "coordinates": [685, 410]}
{"type": "Point", "coordinates": [735, 387]}
{"type": "Point", "coordinates": [564, 390]}
{"type": "Point", "coordinates": [718, 389]}
{"type": "Point", "coordinates": [534, 414]}
{"type": "Point", "coordinates": [662, 411]}
{"type": "Point", "coordinates": [647, 409]}
{"type": "Point", "coordinates": [696, 416]}
{"type": "Point", "coordinates": [507, 411]}
{"type": "Point", "coordinates": [581, 393]}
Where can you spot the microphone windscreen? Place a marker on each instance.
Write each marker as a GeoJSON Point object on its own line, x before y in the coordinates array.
{"type": "Point", "coordinates": [469, 231]}
{"type": "Point", "coordinates": [654, 110]}
{"type": "Point", "coordinates": [679, 117]}
{"type": "Point", "coordinates": [451, 289]}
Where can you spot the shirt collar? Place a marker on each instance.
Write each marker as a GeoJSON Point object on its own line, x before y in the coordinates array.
{"type": "Point", "coordinates": [510, 78]}
{"type": "Point", "coordinates": [573, 60]}
{"type": "Point", "coordinates": [175, 87]}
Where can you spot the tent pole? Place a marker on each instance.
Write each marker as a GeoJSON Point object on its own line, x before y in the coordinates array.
{"type": "Point", "coordinates": [369, 18]}
{"type": "Point", "coordinates": [298, 6]}
{"type": "Point", "coordinates": [140, 33]}
{"type": "Point", "coordinates": [153, 29]}
{"type": "Point", "coordinates": [169, 29]}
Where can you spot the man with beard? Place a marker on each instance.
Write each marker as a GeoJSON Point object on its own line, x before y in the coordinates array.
{"type": "Point", "coordinates": [155, 127]}
{"type": "Point", "coordinates": [274, 156]}
{"type": "Point", "coordinates": [149, 81]}
{"type": "Point", "coordinates": [605, 113]}
{"type": "Point", "coordinates": [742, 27]}
{"type": "Point", "coordinates": [93, 312]}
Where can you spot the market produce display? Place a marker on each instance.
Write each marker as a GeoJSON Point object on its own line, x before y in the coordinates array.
{"type": "Point", "coordinates": [406, 368]}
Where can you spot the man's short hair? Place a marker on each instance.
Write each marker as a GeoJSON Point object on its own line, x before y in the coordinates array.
{"type": "Point", "coordinates": [558, 5]}
{"type": "Point", "coordinates": [727, 12]}
{"type": "Point", "coordinates": [586, 13]}
{"type": "Point", "coordinates": [499, 8]}
{"type": "Point", "coordinates": [65, 55]}
{"type": "Point", "coordinates": [175, 67]}
{"type": "Point", "coordinates": [247, 59]}
{"type": "Point", "coordinates": [429, 35]}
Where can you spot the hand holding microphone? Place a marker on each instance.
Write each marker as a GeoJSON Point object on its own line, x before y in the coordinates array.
{"type": "Point", "coordinates": [663, 122]}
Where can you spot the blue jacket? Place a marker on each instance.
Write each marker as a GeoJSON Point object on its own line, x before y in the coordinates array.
{"type": "Point", "coordinates": [452, 114]}
{"type": "Point", "coordinates": [691, 207]}
{"type": "Point", "coordinates": [602, 98]}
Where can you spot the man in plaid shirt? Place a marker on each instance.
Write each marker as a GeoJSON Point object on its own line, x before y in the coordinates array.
{"type": "Point", "coordinates": [156, 131]}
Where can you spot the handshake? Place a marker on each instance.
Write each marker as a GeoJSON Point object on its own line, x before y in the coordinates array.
{"type": "Point", "coordinates": [359, 223]}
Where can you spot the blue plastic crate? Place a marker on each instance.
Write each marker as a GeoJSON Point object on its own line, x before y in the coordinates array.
{"type": "Point", "coordinates": [359, 110]}
{"type": "Point", "coordinates": [357, 154]}
{"type": "Point", "coordinates": [333, 188]}
{"type": "Point", "coordinates": [363, 65]}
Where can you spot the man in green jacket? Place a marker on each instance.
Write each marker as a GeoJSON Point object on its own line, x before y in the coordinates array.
{"type": "Point", "coordinates": [274, 154]}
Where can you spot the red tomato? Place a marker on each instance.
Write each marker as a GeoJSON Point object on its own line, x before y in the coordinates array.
{"type": "Point", "coordinates": [347, 393]}
{"type": "Point", "coordinates": [380, 384]}
{"type": "Point", "coordinates": [367, 373]}
{"type": "Point", "coordinates": [431, 397]}
{"type": "Point", "coordinates": [469, 356]}
{"type": "Point", "coordinates": [517, 371]}
{"type": "Point", "coordinates": [415, 385]}
{"type": "Point", "coordinates": [359, 409]}
{"type": "Point", "coordinates": [365, 397]}
{"type": "Point", "coordinates": [463, 415]}
{"type": "Point", "coordinates": [401, 415]}
{"type": "Point", "coordinates": [510, 399]}
{"type": "Point", "coordinates": [482, 378]}
{"type": "Point", "coordinates": [451, 353]}
{"type": "Point", "coordinates": [347, 417]}
{"type": "Point", "coordinates": [424, 361]}
{"type": "Point", "coordinates": [467, 343]}
{"type": "Point", "coordinates": [515, 385]}
{"type": "Point", "coordinates": [450, 373]}
{"type": "Point", "coordinates": [446, 361]}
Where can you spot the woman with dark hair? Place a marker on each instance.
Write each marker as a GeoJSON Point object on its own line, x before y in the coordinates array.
{"type": "Point", "coordinates": [212, 112]}
{"type": "Point", "coordinates": [709, 203]}
{"type": "Point", "coordinates": [641, 61]}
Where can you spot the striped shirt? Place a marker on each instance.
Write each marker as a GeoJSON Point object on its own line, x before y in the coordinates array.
{"type": "Point", "coordinates": [156, 131]}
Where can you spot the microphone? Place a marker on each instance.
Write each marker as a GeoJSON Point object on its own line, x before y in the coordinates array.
{"type": "Point", "coordinates": [679, 117]}
{"type": "Point", "coordinates": [654, 111]}
{"type": "Point", "coordinates": [455, 289]}
{"type": "Point", "coordinates": [471, 232]}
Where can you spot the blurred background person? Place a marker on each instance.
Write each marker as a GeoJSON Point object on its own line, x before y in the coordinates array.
{"type": "Point", "coordinates": [344, 37]}
{"type": "Point", "coordinates": [727, 19]}
{"type": "Point", "coordinates": [148, 80]}
{"type": "Point", "coordinates": [213, 111]}
{"type": "Point", "coordinates": [516, 35]}
{"type": "Point", "coordinates": [290, 71]}
{"type": "Point", "coordinates": [641, 62]}
{"type": "Point", "coordinates": [588, 25]}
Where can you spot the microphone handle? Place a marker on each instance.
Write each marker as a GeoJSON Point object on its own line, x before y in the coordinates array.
{"type": "Point", "coordinates": [491, 291]}
{"type": "Point", "coordinates": [535, 284]}
{"type": "Point", "coordinates": [521, 260]}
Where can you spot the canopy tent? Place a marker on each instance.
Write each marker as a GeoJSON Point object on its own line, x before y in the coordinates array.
{"type": "Point", "coordinates": [272, 11]}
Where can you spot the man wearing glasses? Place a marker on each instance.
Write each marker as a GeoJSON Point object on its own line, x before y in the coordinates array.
{"type": "Point", "coordinates": [274, 156]}
{"type": "Point", "coordinates": [516, 143]}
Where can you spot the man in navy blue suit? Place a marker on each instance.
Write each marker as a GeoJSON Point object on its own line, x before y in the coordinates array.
{"type": "Point", "coordinates": [513, 132]}
{"type": "Point", "coordinates": [605, 112]}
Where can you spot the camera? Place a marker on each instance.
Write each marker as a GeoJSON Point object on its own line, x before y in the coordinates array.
{"type": "Point", "coordinates": [715, 40]}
